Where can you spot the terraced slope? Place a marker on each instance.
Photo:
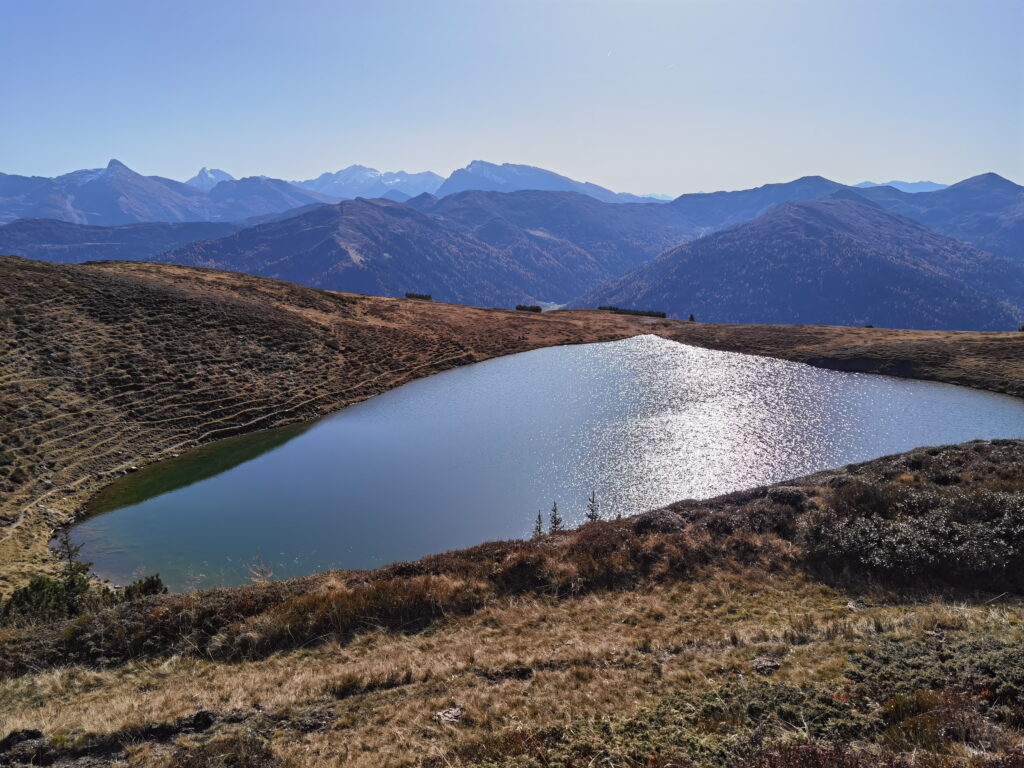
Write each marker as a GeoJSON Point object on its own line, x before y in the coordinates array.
{"type": "Point", "coordinates": [108, 366]}
{"type": "Point", "coordinates": [841, 261]}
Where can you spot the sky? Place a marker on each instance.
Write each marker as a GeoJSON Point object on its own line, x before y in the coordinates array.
{"type": "Point", "coordinates": [641, 96]}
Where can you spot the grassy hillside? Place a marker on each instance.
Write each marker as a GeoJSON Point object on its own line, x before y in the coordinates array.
{"type": "Point", "coordinates": [831, 621]}
{"type": "Point", "coordinates": [112, 365]}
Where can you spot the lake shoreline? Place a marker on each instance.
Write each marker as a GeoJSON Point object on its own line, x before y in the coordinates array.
{"type": "Point", "coordinates": [471, 454]}
{"type": "Point", "coordinates": [204, 317]}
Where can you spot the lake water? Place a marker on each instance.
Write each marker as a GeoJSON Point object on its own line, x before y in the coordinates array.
{"type": "Point", "coordinates": [473, 454]}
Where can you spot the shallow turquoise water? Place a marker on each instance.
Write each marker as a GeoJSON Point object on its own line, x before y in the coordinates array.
{"type": "Point", "coordinates": [472, 454]}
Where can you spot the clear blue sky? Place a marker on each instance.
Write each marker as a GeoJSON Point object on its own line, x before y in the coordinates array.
{"type": "Point", "coordinates": [637, 95]}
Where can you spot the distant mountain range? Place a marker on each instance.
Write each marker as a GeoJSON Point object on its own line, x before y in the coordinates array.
{"type": "Point", "coordinates": [508, 177]}
{"type": "Point", "coordinates": [985, 210]}
{"type": "Point", "coordinates": [619, 236]}
{"type": "Point", "coordinates": [905, 186]}
{"type": "Point", "coordinates": [836, 261]}
{"type": "Point", "coordinates": [484, 248]}
{"type": "Point", "coordinates": [384, 248]}
{"type": "Point", "coordinates": [709, 211]}
{"type": "Point", "coordinates": [360, 181]}
{"type": "Point", "coordinates": [524, 246]}
{"type": "Point", "coordinates": [118, 195]}
{"type": "Point", "coordinates": [500, 248]}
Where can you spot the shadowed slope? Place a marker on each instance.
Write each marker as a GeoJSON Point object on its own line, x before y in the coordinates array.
{"type": "Point", "coordinates": [834, 261]}
{"type": "Point", "coordinates": [61, 241]}
{"type": "Point", "coordinates": [385, 248]}
{"type": "Point", "coordinates": [985, 210]}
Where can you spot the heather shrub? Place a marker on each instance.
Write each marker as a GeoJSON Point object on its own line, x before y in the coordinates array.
{"type": "Point", "coordinates": [141, 628]}
{"type": "Point", "coordinates": [401, 605]}
{"type": "Point", "coordinates": [761, 725]}
{"type": "Point", "coordinates": [711, 728]}
{"type": "Point", "coordinates": [846, 756]}
{"type": "Point", "coordinates": [44, 599]}
{"type": "Point", "coordinates": [938, 721]}
{"type": "Point", "coordinates": [144, 587]}
{"type": "Point", "coordinates": [902, 533]}
{"type": "Point", "coordinates": [240, 750]}
{"type": "Point", "coordinates": [523, 571]}
{"type": "Point", "coordinates": [989, 669]}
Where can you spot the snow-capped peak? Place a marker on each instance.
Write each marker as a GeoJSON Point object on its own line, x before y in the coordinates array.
{"type": "Point", "coordinates": [208, 178]}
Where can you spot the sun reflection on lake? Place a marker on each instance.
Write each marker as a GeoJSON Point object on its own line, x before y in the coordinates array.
{"type": "Point", "coordinates": [473, 454]}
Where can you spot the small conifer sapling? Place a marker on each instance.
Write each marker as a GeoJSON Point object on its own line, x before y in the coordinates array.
{"type": "Point", "coordinates": [556, 519]}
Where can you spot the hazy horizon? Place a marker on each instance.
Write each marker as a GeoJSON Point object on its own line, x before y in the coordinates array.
{"type": "Point", "coordinates": [385, 168]}
{"type": "Point", "coordinates": [642, 97]}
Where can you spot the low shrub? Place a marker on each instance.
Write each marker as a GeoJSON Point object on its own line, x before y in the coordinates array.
{"type": "Point", "coordinates": [420, 296]}
{"type": "Point", "coordinates": [760, 724]}
{"type": "Point", "coordinates": [258, 619]}
{"type": "Point", "coordinates": [240, 750]}
{"type": "Point", "coordinates": [400, 605]}
{"type": "Point", "coordinates": [144, 587]}
{"type": "Point", "coordinates": [712, 728]}
{"type": "Point", "coordinates": [987, 668]}
{"type": "Point", "coordinates": [970, 538]}
{"type": "Point", "coordinates": [939, 721]}
{"type": "Point", "coordinates": [847, 756]}
{"type": "Point", "coordinates": [45, 599]}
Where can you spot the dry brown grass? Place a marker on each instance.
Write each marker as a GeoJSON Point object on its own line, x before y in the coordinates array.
{"type": "Point", "coordinates": [523, 662]}
{"type": "Point", "coordinates": [602, 653]}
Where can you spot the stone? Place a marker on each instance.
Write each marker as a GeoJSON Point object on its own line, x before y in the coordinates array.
{"type": "Point", "coordinates": [765, 665]}
{"type": "Point", "coordinates": [450, 716]}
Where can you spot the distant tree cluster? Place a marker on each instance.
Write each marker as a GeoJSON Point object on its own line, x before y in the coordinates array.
{"type": "Point", "coordinates": [642, 312]}
{"type": "Point", "coordinates": [527, 307]}
{"type": "Point", "coordinates": [420, 296]}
